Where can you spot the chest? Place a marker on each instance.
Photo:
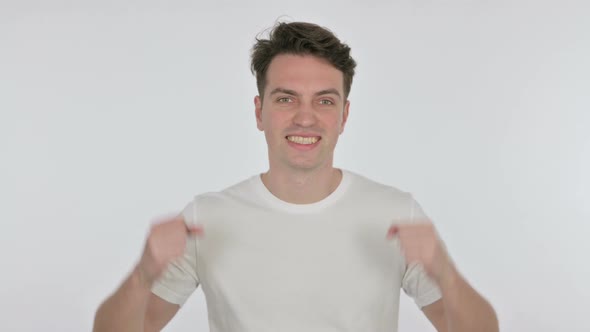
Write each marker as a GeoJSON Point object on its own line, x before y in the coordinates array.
{"type": "Point", "coordinates": [258, 259]}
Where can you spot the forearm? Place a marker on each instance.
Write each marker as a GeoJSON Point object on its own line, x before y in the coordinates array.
{"type": "Point", "coordinates": [125, 310]}
{"type": "Point", "coordinates": [465, 309]}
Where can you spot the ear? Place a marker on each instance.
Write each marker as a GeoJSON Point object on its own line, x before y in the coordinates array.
{"type": "Point", "coordinates": [344, 116]}
{"type": "Point", "coordinates": [258, 112]}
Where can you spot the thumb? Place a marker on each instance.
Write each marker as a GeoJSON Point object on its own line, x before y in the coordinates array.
{"type": "Point", "coordinates": [392, 231]}
{"type": "Point", "coordinates": [194, 229]}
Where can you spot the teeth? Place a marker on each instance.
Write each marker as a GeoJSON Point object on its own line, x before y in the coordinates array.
{"type": "Point", "coordinates": [303, 140]}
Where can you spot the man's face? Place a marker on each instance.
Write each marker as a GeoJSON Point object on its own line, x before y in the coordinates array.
{"type": "Point", "coordinates": [303, 111]}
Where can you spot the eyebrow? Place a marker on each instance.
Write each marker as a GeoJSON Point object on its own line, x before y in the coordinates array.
{"type": "Point", "coordinates": [294, 93]}
{"type": "Point", "coordinates": [329, 92]}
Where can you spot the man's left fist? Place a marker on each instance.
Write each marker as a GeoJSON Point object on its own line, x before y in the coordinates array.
{"type": "Point", "coordinates": [420, 243]}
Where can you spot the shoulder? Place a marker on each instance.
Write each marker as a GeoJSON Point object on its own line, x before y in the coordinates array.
{"type": "Point", "coordinates": [367, 186]}
{"type": "Point", "coordinates": [242, 188]}
{"type": "Point", "coordinates": [385, 202]}
{"type": "Point", "coordinates": [235, 194]}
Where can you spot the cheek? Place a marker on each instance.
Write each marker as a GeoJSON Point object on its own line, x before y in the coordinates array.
{"type": "Point", "coordinates": [274, 124]}
{"type": "Point", "coordinates": [281, 120]}
{"type": "Point", "coordinates": [334, 121]}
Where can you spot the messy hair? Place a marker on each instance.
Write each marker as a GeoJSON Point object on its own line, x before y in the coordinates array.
{"type": "Point", "coordinates": [301, 38]}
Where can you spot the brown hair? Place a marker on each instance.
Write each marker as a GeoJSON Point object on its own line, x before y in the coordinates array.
{"type": "Point", "coordinates": [301, 38]}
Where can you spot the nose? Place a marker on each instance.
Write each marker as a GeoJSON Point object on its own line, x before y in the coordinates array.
{"type": "Point", "coordinates": [305, 116]}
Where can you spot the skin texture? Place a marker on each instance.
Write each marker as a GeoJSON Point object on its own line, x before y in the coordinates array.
{"type": "Point", "coordinates": [166, 242]}
{"type": "Point", "coordinates": [420, 244]}
{"type": "Point", "coordinates": [294, 104]}
{"type": "Point", "coordinates": [304, 96]}
{"type": "Point", "coordinates": [461, 307]}
{"type": "Point", "coordinates": [133, 307]}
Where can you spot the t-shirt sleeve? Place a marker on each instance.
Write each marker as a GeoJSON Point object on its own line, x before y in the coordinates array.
{"type": "Point", "coordinates": [416, 283]}
{"type": "Point", "coordinates": [180, 279]}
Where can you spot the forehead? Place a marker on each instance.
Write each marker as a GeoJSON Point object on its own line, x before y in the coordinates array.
{"type": "Point", "coordinates": [303, 73]}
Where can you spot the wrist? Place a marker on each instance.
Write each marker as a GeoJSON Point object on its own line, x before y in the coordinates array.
{"type": "Point", "coordinates": [449, 278]}
{"type": "Point", "coordinates": [142, 278]}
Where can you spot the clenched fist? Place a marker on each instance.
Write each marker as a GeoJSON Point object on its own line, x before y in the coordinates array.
{"type": "Point", "coordinates": [420, 243]}
{"type": "Point", "coordinates": [165, 242]}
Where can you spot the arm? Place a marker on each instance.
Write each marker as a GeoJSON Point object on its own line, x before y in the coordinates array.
{"type": "Point", "coordinates": [461, 308]}
{"type": "Point", "coordinates": [133, 307]}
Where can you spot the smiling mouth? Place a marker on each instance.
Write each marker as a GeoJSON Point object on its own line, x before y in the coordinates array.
{"type": "Point", "coordinates": [303, 140]}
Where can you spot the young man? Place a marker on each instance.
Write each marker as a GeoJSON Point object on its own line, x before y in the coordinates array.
{"type": "Point", "coordinates": [304, 246]}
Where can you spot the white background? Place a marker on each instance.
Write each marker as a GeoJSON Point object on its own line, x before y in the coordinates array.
{"type": "Point", "coordinates": [116, 112]}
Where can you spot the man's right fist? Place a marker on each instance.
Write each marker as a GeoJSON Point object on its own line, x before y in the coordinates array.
{"type": "Point", "coordinates": [165, 243]}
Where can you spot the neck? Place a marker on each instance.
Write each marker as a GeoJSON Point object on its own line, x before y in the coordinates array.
{"type": "Point", "coordinates": [302, 187]}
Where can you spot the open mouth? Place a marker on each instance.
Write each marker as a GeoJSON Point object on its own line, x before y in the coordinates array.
{"type": "Point", "coordinates": [303, 140]}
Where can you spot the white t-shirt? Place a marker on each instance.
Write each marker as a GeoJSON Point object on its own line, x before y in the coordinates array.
{"type": "Point", "coordinates": [268, 265]}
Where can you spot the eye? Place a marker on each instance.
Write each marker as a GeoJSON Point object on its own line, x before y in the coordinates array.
{"type": "Point", "coordinates": [326, 102]}
{"type": "Point", "coordinates": [284, 100]}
